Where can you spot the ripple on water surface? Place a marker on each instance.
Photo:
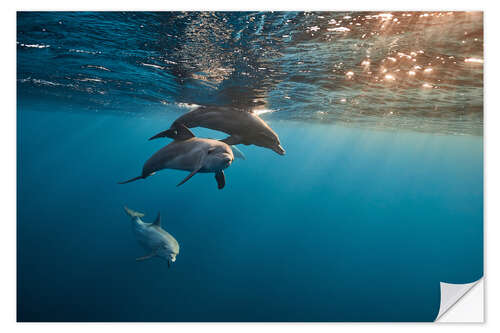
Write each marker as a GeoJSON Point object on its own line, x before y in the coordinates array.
{"type": "Point", "coordinates": [413, 70]}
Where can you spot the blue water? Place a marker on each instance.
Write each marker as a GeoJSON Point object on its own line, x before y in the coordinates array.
{"type": "Point", "coordinates": [359, 221]}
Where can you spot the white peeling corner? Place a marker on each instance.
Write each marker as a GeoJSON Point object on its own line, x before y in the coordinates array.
{"type": "Point", "coordinates": [461, 303]}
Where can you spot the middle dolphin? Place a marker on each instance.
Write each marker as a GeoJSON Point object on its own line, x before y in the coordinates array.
{"type": "Point", "coordinates": [190, 153]}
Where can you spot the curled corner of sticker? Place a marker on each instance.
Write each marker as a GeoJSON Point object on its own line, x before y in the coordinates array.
{"type": "Point", "coordinates": [454, 296]}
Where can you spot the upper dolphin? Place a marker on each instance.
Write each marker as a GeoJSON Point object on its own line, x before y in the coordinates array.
{"type": "Point", "coordinates": [243, 127]}
{"type": "Point", "coordinates": [192, 154]}
{"type": "Point", "coordinates": [153, 238]}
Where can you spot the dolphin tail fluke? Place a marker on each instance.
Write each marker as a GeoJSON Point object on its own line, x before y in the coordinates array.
{"type": "Point", "coordinates": [132, 180]}
{"type": "Point", "coordinates": [132, 213]}
{"type": "Point", "coordinates": [176, 132]}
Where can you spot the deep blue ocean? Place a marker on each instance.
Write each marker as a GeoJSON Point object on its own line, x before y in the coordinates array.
{"type": "Point", "coordinates": [378, 198]}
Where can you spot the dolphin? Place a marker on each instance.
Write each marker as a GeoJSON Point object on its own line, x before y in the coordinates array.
{"type": "Point", "coordinates": [153, 238]}
{"type": "Point", "coordinates": [190, 153]}
{"type": "Point", "coordinates": [243, 127]}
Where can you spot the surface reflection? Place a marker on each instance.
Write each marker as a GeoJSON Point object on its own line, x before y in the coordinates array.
{"type": "Point", "coordinates": [416, 70]}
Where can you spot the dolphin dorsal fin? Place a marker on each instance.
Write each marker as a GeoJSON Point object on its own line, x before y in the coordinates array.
{"type": "Point", "coordinates": [157, 222]}
{"type": "Point", "coordinates": [183, 133]}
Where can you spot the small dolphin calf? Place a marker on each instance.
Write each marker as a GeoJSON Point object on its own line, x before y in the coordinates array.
{"type": "Point", "coordinates": [190, 153]}
{"type": "Point", "coordinates": [153, 238]}
{"type": "Point", "coordinates": [243, 127]}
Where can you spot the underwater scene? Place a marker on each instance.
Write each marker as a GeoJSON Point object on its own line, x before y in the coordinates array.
{"type": "Point", "coordinates": [247, 166]}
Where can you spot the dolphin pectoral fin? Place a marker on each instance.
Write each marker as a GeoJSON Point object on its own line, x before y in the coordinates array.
{"type": "Point", "coordinates": [232, 140]}
{"type": "Point", "coordinates": [221, 179]}
{"type": "Point", "coordinates": [189, 176]}
{"type": "Point", "coordinates": [151, 255]}
{"type": "Point", "coordinates": [238, 153]}
{"type": "Point", "coordinates": [199, 165]}
{"type": "Point", "coordinates": [132, 180]}
{"type": "Point", "coordinates": [146, 257]}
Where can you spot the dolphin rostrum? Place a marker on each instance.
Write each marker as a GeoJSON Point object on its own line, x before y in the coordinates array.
{"type": "Point", "coordinates": [192, 154]}
{"type": "Point", "coordinates": [243, 127]}
{"type": "Point", "coordinates": [153, 238]}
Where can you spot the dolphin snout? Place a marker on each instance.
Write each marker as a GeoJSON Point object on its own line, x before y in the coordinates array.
{"type": "Point", "coordinates": [279, 150]}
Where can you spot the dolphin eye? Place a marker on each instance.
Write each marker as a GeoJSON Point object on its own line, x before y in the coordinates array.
{"type": "Point", "coordinates": [211, 150]}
